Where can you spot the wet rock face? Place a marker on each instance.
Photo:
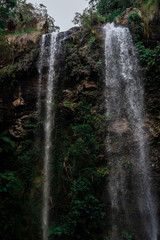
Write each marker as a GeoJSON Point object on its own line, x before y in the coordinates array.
{"type": "Point", "coordinates": [18, 89]}
{"type": "Point", "coordinates": [77, 71]}
{"type": "Point", "coordinates": [155, 32]}
{"type": "Point", "coordinates": [19, 86]}
{"type": "Point", "coordinates": [151, 39]}
{"type": "Point", "coordinates": [79, 101]}
{"type": "Point", "coordinates": [15, 108]}
{"type": "Point", "coordinates": [80, 114]}
{"type": "Point", "coordinates": [120, 126]}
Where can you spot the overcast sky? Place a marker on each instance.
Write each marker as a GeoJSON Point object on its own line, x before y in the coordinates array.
{"type": "Point", "coordinates": [62, 10]}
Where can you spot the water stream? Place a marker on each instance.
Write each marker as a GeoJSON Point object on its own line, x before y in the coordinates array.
{"type": "Point", "coordinates": [130, 189]}
{"type": "Point", "coordinates": [48, 45]}
{"type": "Point", "coordinates": [133, 205]}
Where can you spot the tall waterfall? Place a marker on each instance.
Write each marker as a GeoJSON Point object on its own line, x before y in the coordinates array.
{"type": "Point", "coordinates": [48, 123]}
{"type": "Point", "coordinates": [131, 194]}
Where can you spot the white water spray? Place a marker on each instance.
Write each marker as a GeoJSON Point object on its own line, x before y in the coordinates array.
{"type": "Point", "coordinates": [48, 124]}
{"type": "Point", "coordinates": [125, 111]}
{"type": "Point", "coordinates": [48, 133]}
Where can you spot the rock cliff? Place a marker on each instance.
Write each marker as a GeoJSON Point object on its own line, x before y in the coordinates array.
{"type": "Point", "coordinates": [79, 158]}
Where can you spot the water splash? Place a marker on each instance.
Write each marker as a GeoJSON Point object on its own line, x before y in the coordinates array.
{"type": "Point", "coordinates": [126, 140]}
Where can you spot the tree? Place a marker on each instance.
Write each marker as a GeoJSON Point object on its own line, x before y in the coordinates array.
{"type": "Point", "coordinates": [6, 10]}
{"type": "Point", "coordinates": [106, 7]}
{"type": "Point", "coordinates": [93, 4]}
{"type": "Point", "coordinates": [29, 15]}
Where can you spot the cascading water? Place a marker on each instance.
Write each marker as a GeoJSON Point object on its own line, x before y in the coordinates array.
{"type": "Point", "coordinates": [132, 200]}
{"type": "Point", "coordinates": [48, 124]}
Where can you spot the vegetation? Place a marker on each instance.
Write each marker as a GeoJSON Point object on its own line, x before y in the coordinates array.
{"type": "Point", "coordinates": [148, 52]}
{"type": "Point", "coordinates": [89, 18]}
{"type": "Point", "coordinates": [16, 184]}
{"type": "Point", "coordinates": [111, 9]}
{"type": "Point", "coordinates": [136, 25]}
{"type": "Point", "coordinates": [77, 209]}
{"type": "Point", "coordinates": [18, 15]}
{"type": "Point", "coordinates": [78, 175]}
{"type": "Point", "coordinates": [20, 179]}
{"type": "Point", "coordinates": [85, 213]}
{"type": "Point", "coordinates": [28, 16]}
{"type": "Point", "coordinates": [7, 9]}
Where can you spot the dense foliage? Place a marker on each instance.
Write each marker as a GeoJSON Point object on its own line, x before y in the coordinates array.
{"type": "Point", "coordinates": [85, 214]}
{"type": "Point", "coordinates": [16, 184]}
{"type": "Point", "coordinates": [28, 16]}
{"type": "Point", "coordinates": [20, 182]}
{"type": "Point", "coordinates": [6, 10]}
{"type": "Point", "coordinates": [111, 9]}
{"type": "Point", "coordinates": [19, 15]}
{"type": "Point", "coordinates": [78, 162]}
{"type": "Point", "coordinates": [148, 51]}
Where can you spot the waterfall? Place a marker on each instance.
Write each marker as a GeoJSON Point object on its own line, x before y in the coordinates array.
{"type": "Point", "coordinates": [133, 206]}
{"type": "Point", "coordinates": [48, 123]}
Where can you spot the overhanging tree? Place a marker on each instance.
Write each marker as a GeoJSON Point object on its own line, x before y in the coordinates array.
{"type": "Point", "coordinates": [6, 10]}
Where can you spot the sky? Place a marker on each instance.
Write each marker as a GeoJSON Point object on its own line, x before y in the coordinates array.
{"type": "Point", "coordinates": [63, 11]}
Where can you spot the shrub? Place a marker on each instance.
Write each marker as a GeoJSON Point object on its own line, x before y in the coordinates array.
{"type": "Point", "coordinates": [135, 24]}
{"type": "Point", "coordinates": [88, 19]}
{"type": "Point", "coordinates": [134, 17]}
{"type": "Point", "coordinates": [148, 57]}
{"type": "Point", "coordinates": [6, 10]}
{"type": "Point", "coordinates": [84, 215]}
